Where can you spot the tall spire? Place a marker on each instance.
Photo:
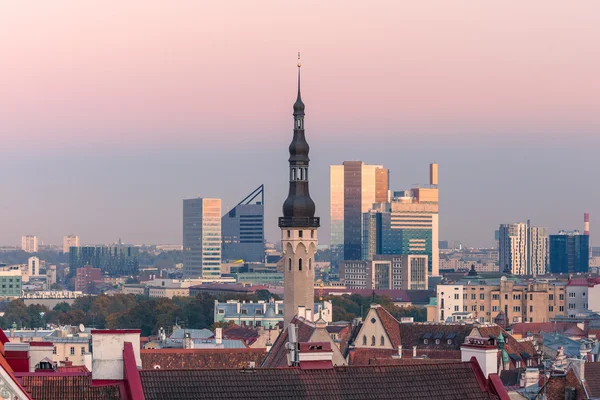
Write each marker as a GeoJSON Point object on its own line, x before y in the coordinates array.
{"type": "Point", "coordinates": [299, 105]}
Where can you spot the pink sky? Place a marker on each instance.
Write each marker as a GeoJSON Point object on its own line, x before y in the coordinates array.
{"type": "Point", "coordinates": [86, 71]}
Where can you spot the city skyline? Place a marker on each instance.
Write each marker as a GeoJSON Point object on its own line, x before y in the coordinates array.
{"type": "Point", "coordinates": [104, 126]}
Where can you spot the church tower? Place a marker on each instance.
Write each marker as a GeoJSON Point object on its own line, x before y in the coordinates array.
{"type": "Point", "coordinates": [298, 224]}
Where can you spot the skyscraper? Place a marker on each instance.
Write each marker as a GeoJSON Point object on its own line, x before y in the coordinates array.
{"type": "Point", "coordinates": [29, 243]}
{"type": "Point", "coordinates": [70, 241]}
{"type": "Point", "coordinates": [33, 266]}
{"type": "Point", "coordinates": [354, 188]}
{"type": "Point", "coordinates": [523, 249]}
{"type": "Point", "coordinates": [569, 252]}
{"type": "Point", "coordinates": [298, 225]}
{"type": "Point", "coordinates": [243, 229]}
{"type": "Point", "coordinates": [202, 238]}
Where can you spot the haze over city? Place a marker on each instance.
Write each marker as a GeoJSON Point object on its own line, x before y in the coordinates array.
{"type": "Point", "coordinates": [113, 114]}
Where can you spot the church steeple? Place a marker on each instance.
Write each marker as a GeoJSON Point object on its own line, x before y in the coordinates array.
{"type": "Point", "coordinates": [299, 105]}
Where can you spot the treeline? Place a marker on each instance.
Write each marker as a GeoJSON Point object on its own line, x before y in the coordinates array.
{"type": "Point", "coordinates": [346, 308]}
{"type": "Point", "coordinates": [122, 311]}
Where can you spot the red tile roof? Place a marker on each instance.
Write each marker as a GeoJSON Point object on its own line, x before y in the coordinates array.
{"type": "Point", "coordinates": [554, 388]}
{"type": "Point", "coordinates": [447, 381]}
{"type": "Point", "coordinates": [592, 377]}
{"type": "Point", "coordinates": [390, 324]}
{"type": "Point", "coordinates": [277, 357]}
{"type": "Point", "coordinates": [248, 335]}
{"type": "Point", "coordinates": [74, 387]}
{"type": "Point", "coordinates": [201, 358]}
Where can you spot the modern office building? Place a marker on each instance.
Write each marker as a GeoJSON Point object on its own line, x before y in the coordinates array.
{"type": "Point", "coordinates": [569, 252]}
{"type": "Point", "coordinates": [29, 244]}
{"type": "Point", "coordinates": [243, 229]}
{"type": "Point", "coordinates": [523, 249]}
{"type": "Point", "coordinates": [354, 188]}
{"type": "Point", "coordinates": [33, 266]}
{"type": "Point", "coordinates": [406, 272]}
{"type": "Point", "coordinates": [202, 238]}
{"type": "Point", "coordinates": [70, 241]}
{"type": "Point", "coordinates": [112, 260]}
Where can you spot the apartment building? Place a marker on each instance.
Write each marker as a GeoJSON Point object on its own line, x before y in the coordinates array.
{"type": "Point", "coordinates": [407, 272]}
{"type": "Point", "coordinates": [583, 294]}
{"type": "Point", "coordinates": [519, 301]}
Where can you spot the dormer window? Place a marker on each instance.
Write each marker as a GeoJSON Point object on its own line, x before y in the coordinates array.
{"type": "Point", "coordinates": [425, 341]}
{"type": "Point", "coordinates": [437, 341]}
{"type": "Point", "coordinates": [449, 341]}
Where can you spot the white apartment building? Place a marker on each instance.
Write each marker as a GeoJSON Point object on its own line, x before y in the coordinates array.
{"type": "Point", "coordinates": [33, 266]}
{"type": "Point", "coordinates": [450, 300]}
{"type": "Point", "coordinates": [70, 241]}
{"type": "Point", "coordinates": [523, 248]}
{"type": "Point", "coordinates": [29, 244]}
{"type": "Point", "coordinates": [582, 296]}
{"type": "Point", "coordinates": [405, 272]}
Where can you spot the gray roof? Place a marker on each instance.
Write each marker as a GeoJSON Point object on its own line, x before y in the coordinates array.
{"type": "Point", "coordinates": [554, 340]}
{"type": "Point", "coordinates": [74, 339]}
{"type": "Point", "coordinates": [194, 333]}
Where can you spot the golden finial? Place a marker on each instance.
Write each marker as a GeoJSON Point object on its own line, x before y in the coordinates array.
{"type": "Point", "coordinates": [299, 65]}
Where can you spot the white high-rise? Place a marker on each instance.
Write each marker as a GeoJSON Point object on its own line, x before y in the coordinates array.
{"type": "Point", "coordinates": [70, 241]}
{"type": "Point", "coordinates": [33, 266]}
{"type": "Point", "coordinates": [202, 238]}
{"type": "Point", "coordinates": [523, 249]}
{"type": "Point", "coordinates": [29, 243]}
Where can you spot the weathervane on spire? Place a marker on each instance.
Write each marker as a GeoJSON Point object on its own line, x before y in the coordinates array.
{"type": "Point", "coordinates": [299, 65]}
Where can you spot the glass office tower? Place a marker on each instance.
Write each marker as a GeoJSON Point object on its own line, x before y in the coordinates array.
{"type": "Point", "coordinates": [202, 238]}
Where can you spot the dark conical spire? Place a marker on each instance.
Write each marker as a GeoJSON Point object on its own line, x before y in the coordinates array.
{"type": "Point", "coordinates": [299, 105]}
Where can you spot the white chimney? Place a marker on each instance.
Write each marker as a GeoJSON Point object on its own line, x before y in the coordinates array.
{"type": "Point", "coordinates": [400, 351]}
{"type": "Point", "coordinates": [414, 351]}
{"type": "Point", "coordinates": [308, 314]}
{"type": "Point", "coordinates": [188, 343]}
{"type": "Point", "coordinates": [484, 352]}
{"type": "Point", "coordinates": [107, 357]}
{"type": "Point", "coordinates": [301, 312]}
{"type": "Point", "coordinates": [219, 335]}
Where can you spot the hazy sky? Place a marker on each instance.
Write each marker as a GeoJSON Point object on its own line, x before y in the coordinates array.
{"type": "Point", "coordinates": [112, 112]}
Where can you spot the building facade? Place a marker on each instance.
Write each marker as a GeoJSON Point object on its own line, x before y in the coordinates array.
{"type": "Point", "coordinates": [70, 241]}
{"type": "Point", "coordinates": [523, 249]}
{"type": "Point", "coordinates": [33, 266]}
{"type": "Point", "coordinates": [29, 243]}
{"type": "Point", "coordinates": [86, 276]}
{"type": "Point", "coordinates": [569, 253]}
{"type": "Point", "coordinates": [11, 284]}
{"type": "Point", "coordinates": [111, 260]}
{"type": "Point", "coordinates": [520, 302]}
{"type": "Point", "coordinates": [298, 225]}
{"type": "Point", "coordinates": [354, 188]}
{"type": "Point", "coordinates": [202, 238]}
{"type": "Point", "coordinates": [406, 272]}
{"type": "Point", "coordinates": [243, 230]}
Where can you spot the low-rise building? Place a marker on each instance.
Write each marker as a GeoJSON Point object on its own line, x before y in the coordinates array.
{"type": "Point", "coordinates": [583, 294]}
{"type": "Point", "coordinates": [11, 283]}
{"type": "Point", "coordinates": [408, 272]}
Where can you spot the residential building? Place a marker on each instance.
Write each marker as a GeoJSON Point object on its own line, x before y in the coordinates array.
{"type": "Point", "coordinates": [70, 241]}
{"type": "Point", "coordinates": [519, 302]}
{"type": "Point", "coordinates": [202, 238]}
{"type": "Point", "coordinates": [168, 292]}
{"type": "Point", "coordinates": [33, 266]}
{"type": "Point", "coordinates": [407, 272]}
{"type": "Point", "coordinates": [460, 265]}
{"type": "Point", "coordinates": [85, 276]}
{"type": "Point", "coordinates": [298, 225]}
{"type": "Point", "coordinates": [11, 284]}
{"type": "Point", "coordinates": [115, 260]}
{"type": "Point", "coordinates": [354, 188]}
{"type": "Point", "coordinates": [583, 294]}
{"type": "Point", "coordinates": [569, 253]}
{"type": "Point", "coordinates": [243, 229]}
{"type": "Point", "coordinates": [29, 243]}
{"type": "Point", "coordinates": [523, 249]}
{"type": "Point", "coordinates": [268, 314]}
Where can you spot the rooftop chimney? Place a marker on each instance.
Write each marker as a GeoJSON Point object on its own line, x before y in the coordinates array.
{"type": "Point", "coordinates": [414, 351]}
{"type": "Point", "coordinates": [485, 352]}
{"type": "Point", "coordinates": [107, 357]}
{"type": "Point", "coordinates": [219, 335]}
{"type": "Point", "coordinates": [316, 355]}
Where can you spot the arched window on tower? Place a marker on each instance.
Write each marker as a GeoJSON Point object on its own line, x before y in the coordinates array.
{"type": "Point", "coordinates": [289, 264]}
{"type": "Point", "coordinates": [310, 264]}
{"type": "Point", "coordinates": [299, 264]}
{"type": "Point", "coordinates": [372, 340]}
{"type": "Point", "coordinates": [382, 341]}
{"type": "Point", "coordinates": [364, 340]}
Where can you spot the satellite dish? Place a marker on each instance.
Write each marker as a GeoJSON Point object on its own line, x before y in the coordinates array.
{"type": "Point", "coordinates": [81, 328]}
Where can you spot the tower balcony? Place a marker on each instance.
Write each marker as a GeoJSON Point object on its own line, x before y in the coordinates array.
{"type": "Point", "coordinates": [299, 222]}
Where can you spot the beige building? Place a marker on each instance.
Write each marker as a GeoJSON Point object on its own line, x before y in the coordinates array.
{"type": "Point", "coordinates": [168, 292]}
{"type": "Point", "coordinates": [29, 243]}
{"type": "Point", "coordinates": [407, 272]}
{"type": "Point", "coordinates": [531, 302]}
{"type": "Point", "coordinates": [70, 241]}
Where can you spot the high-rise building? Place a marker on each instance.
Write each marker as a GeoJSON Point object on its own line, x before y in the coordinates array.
{"type": "Point", "coordinates": [408, 224]}
{"type": "Point", "coordinates": [33, 266]}
{"type": "Point", "coordinates": [298, 225]}
{"type": "Point", "coordinates": [354, 188]}
{"type": "Point", "coordinates": [29, 243]}
{"type": "Point", "coordinates": [243, 229]}
{"type": "Point", "coordinates": [70, 241]}
{"type": "Point", "coordinates": [569, 252]}
{"type": "Point", "coordinates": [112, 260]}
{"type": "Point", "coordinates": [202, 238]}
{"type": "Point", "coordinates": [523, 249]}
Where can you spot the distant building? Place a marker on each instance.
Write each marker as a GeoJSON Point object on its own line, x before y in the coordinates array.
{"type": "Point", "coordinates": [11, 283]}
{"type": "Point", "coordinates": [29, 244]}
{"type": "Point", "coordinates": [523, 249]}
{"type": "Point", "coordinates": [408, 272]}
{"type": "Point", "coordinates": [569, 252]}
{"type": "Point", "coordinates": [443, 245]}
{"type": "Point", "coordinates": [33, 266]}
{"type": "Point", "coordinates": [354, 187]}
{"type": "Point", "coordinates": [111, 260]}
{"type": "Point", "coordinates": [202, 238]}
{"type": "Point", "coordinates": [70, 241]}
{"type": "Point", "coordinates": [86, 276]}
{"type": "Point", "coordinates": [243, 229]}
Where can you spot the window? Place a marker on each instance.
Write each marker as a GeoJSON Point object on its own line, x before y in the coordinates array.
{"type": "Point", "coordinates": [530, 308]}
{"type": "Point", "coordinates": [300, 234]}
{"type": "Point", "coordinates": [561, 296]}
{"type": "Point", "coordinates": [495, 297]}
{"type": "Point", "coordinates": [299, 264]}
{"type": "Point", "coordinates": [516, 297]}
{"type": "Point", "coordinates": [473, 296]}
{"type": "Point", "coordinates": [244, 311]}
{"type": "Point", "coordinates": [289, 264]}
{"type": "Point", "coordinates": [372, 340]}
{"type": "Point", "coordinates": [481, 308]}
{"type": "Point", "coordinates": [561, 308]}
{"type": "Point", "coordinates": [221, 311]}
{"type": "Point", "coordinates": [494, 308]}
{"type": "Point", "coordinates": [259, 312]}
{"type": "Point", "coordinates": [312, 234]}
{"type": "Point", "coordinates": [571, 306]}
{"type": "Point", "coordinates": [437, 341]}
{"type": "Point", "coordinates": [551, 297]}
{"type": "Point", "coordinates": [551, 308]}
{"type": "Point", "coordinates": [506, 296]}
{"type": "Point", "coordinates": [289, 233]}
{"type": "Point", "coordinates": [82, 350]}
{"type": "Point", "coordinates": [456, 296]}
{"type": "Point", "coordinates": [54, 350]}
{"type": "Point", "coordinates": [473, 308]}
{"type": "Point", "coordinates": [382, 341]}
{"type": "Point", "coordinates": [456, 308]}
{"type": "Point", "coordinates": [310, 264]}
{"type": "Point", "coordinates": [530, 296]}
{"type": "Point", "coordinates": [571, 295]}
{"type": "Point", "coordinates": [516, 309]}
{"type": "Point", "coordinates": [425, 341]}
{"type": "Point", "coordinates": [465, 308]}
{"type": "Point", "coordinates": [364, 340]}
{"type": "Point", "coordinates": [449, 341]}
{"type": "Point", "coordinates": [72, 351]}
{"type": "Point", "coordinates": [481, 296]}
{"type": "Point", "coordinates": [583, 294]}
